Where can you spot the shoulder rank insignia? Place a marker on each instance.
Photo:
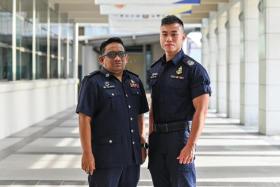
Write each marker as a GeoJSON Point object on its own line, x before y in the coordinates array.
{"type": "Point", "coordinates": [190, 62]}
{"type": "Point", "coordinates": [133, 84]}
{"type": "Point", "coordinates": [179, 71]}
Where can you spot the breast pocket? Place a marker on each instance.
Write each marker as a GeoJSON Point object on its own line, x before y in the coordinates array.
{"type": "Point", "coordinates": [112, 99]}
{"type": "Point", "coordinates": [178, 86]}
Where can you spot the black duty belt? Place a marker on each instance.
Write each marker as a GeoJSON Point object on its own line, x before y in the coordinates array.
{"type": "Point", "coordinates": [171, 127]}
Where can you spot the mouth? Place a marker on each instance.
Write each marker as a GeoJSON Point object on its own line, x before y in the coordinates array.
{"type": "Point", "coordinates": [168, 45]}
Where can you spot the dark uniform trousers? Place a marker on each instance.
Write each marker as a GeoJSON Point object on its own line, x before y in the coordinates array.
{"type": "Point", "coordinates": [164, 166]}
{"type": "Point", "coordinates": [115, 177]}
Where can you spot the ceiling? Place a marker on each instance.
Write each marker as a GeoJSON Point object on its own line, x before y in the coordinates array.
{"type": "Point", "coordinates": [135, 16]}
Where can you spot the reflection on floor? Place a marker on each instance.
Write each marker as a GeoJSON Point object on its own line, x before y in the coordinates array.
{"type": "Point", "coordinates": [228, 154]}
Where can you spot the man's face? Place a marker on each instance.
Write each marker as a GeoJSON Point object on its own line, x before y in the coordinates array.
{"type": "Point", "coordinates": [171, 38]}
{"type": "Point", "coordinates": [114, 58]}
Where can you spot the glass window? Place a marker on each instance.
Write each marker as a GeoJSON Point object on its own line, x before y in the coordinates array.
{"type": "Point", "coordinates": [24, 39]}
{"type": "Point", "coordinates": [53, 44]}
{"type": "Point", "coordinates": [41, 40]}
{"type": "Point", "coordinates": [5, 40]}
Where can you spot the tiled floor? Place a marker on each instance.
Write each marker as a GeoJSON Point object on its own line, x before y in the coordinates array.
{"type": "Point", "coordinates": [48, 154]}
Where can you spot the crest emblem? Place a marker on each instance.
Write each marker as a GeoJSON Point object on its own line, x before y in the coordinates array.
{"type": "Point", "coordinates": [133, 84]}
{"type": "Point", "coordinates": [179, 71]}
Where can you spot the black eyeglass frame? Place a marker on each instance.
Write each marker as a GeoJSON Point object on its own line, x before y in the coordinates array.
{"type": "Point", "coordinates": [114, 54]}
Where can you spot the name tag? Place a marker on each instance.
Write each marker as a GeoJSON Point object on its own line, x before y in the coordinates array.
{"type": "Point", "coordinates": [176, 77]}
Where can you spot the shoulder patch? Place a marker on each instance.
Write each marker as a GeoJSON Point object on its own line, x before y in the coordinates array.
{"type": "Point", "coordinates": [189, 61]}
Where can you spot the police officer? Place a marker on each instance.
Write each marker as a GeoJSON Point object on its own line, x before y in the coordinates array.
{"type": "Point", "coordinates": [180, 93]}
{"type": "Point", "coordinates": [111, 106]}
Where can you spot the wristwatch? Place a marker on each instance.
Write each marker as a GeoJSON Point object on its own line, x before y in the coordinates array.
{"type": "Point", "coordinates": [145, 145]}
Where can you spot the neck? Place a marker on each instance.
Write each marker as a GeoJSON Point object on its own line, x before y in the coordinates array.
{"type": "Point", "coordinates": [170, 56]}
{"type": "Point", "coordinates": [118, 75]}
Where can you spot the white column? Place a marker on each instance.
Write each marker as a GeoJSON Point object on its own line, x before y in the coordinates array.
{"type": "Point", "coordinates": [34, 39]}
{"type": "Point", "coordinates": [205, 49]}
{"type": "Point", "coordinates": [221, 66]}
{"type": "Point", "coordinates": [14, 41]}
{"type": "Point", "coordinates": [269, 56]}
{"type": "Point", "coordinates": [213, 60]}
{"type": "Point", "coordinates": [249, 69]}
{"type": "Point", "coordinates": [233, 39]}
{"type": "Point", "coordinates": [48, 43]}
{"type": "Point", "coordinates": [76, 49]}
{"type": "Point", "coordinates": [59, 70]}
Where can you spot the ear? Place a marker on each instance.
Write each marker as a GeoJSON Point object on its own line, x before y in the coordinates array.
{"type": "Point", "coordinates": [101, 59]}
{"type": "Point", "coordinates": [184, 36]}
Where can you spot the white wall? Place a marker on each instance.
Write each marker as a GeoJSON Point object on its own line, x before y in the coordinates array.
{"type": "Point", "coordinates": [24, 103]}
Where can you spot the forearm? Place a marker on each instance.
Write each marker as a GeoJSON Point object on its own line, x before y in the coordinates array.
{"type": "Point", "coordinates": [85, 133]}
{"type": "Point", "coordinates": [197, 127]}
{"type": "Point", "coordinates": [151, 120]}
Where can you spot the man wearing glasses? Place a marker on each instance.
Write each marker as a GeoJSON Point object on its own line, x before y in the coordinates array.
{"type": "Point", "coordinates": [111, 106]}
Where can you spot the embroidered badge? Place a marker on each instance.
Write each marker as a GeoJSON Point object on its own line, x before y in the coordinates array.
{"type": "Point", "coordinates": [190, 62]}
{"type": "Point", "coordinates": [179, 71]}
{"type": "Point", "coordinates": [176, 77]}
{"type": "Point", "coordinates": [133, 84]}
{"type": "Point", "coordinates": [154, 75]}
{"type": "Point", "coordinates": [108, 85]}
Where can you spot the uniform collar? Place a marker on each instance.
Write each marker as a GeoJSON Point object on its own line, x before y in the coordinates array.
{"type": "Point", "coordinates": [178, 57]}
{"type": "Point", "coordinates": [105, 72]}
{"type": "Point", "coordinates": [109, 74]}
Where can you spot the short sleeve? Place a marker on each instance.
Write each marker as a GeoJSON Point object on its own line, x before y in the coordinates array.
{"type": "Point", "coordinates": [143, 100]}
{"type": "Point", "coordinates": [200, 81]}
{"type": "Point", "coordinates": [87, 101]}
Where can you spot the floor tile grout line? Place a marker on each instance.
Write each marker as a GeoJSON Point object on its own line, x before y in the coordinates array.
{"type": "Point", "coordinates": [38, 134]}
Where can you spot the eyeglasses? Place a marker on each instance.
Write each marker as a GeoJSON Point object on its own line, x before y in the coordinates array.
{"type": "Point", "coordinates": [113, 54]}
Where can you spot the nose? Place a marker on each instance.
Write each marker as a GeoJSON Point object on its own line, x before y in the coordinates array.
{"type": "Point", "coordinates": [117, 58]}
{"type": "Point", "coordinates": [168, 38]}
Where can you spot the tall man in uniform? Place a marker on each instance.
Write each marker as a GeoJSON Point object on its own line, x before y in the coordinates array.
{"type": "Point", "coordinates": [111, 106]}
{"type": "Point", "coordinates": [180, 93]}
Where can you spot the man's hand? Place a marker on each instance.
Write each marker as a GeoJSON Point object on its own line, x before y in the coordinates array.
{"type": "Point", "coordinates": [143, 149]}
{"type": "Point", "coordinates": [186, 155]}
{"type": "Point", "coordinates": [88, 163]}
{"type": "Point", "coordinates": [143, 154]}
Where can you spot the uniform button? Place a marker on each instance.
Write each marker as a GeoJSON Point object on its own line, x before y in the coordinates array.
{"type": "Point", "coordinates": [126, 95]}
{"type": "Point", "coordinates": [129, 106]}
{"type": "Point", "coordinates": [133, 142]}
{"type": "Point", "coordinates": [113, 94]}
{"type": "Point", "coordinates": [137, 93]}
{"type": "Point", "coordinates": [131, 118]}
{"type": "Point", "coordinates": [110, 141]}
{"type": "Point", "coordinates": [131, 130]}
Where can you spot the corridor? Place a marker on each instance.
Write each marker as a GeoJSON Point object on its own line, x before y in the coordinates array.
{"type": "Point", "coordinates": [47, 154]}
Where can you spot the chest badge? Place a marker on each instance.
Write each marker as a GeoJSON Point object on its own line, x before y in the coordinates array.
{"type": "Point", "coordinates": [108, 85]}
{"type": "Point", "coordinates": [179, 71]}
{"type": "Point", "coordinates": [154, 75]}
{"type": "Point", "coordinates": [133, 84]}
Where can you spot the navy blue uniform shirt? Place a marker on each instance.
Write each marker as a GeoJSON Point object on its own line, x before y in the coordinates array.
{"type": "Point", "coordinates": [174, 85]}
{"type": "Point", "coordinates": [113, 107]}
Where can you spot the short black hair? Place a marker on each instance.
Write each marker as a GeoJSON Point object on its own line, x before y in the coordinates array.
{"type": "Point", "coordinates": [170, 19]}
{"type": "Point", "coordinates": [109, 41]}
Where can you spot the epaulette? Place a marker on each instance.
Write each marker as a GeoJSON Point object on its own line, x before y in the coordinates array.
{"type": "Point", "coordinates": [155, 62]}
{"type": "Point", "coordinates": [92, 73]}
{"type": "Point", "coordinates": [130, 72]}
{"type": "Point", "coordinates": [189, 61]}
